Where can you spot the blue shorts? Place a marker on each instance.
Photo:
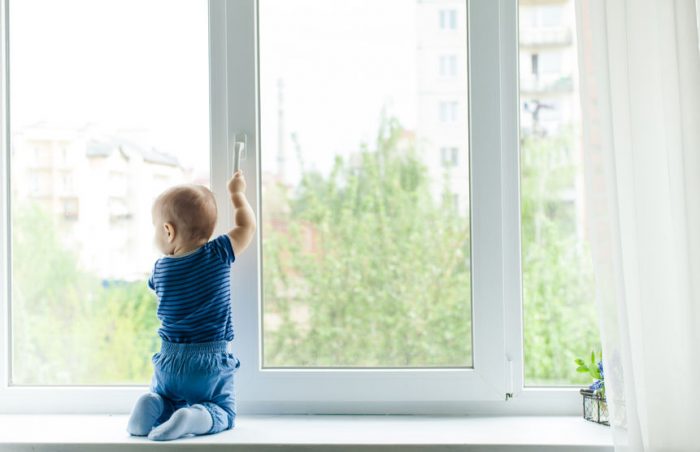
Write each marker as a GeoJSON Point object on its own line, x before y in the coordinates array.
{"type": "Point", "coordinates": [188, 374]}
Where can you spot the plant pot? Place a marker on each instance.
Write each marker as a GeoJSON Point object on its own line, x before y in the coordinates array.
{"type": "Point", "coordinates": [595, 407]}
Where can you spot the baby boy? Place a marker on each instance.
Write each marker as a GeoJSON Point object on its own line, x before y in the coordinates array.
{"type": "Point", "coordinates": [191, 391]}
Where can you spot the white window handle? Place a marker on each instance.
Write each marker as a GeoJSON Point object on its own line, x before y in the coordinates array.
{"type": "Point", "coordinates": [240, 140]}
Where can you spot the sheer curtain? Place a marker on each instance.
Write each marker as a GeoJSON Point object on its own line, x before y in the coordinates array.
{"type": "Point", "coordinates": [640, 97]}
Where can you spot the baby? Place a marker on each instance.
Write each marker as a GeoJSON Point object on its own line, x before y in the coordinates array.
{"type": "Point", "coordinates": [191, 391]}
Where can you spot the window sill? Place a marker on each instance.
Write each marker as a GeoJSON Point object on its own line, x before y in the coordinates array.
{"type": "Point", "coordinates": [263, 433]}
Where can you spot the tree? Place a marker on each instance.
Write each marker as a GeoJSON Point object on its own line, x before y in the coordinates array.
{"type": "Point", "coordinates": [69, 328]}
{"type": "Point", "coordinates": [558, 289]}
{"type": "Point", "coordinates": [364, 268]}
{"type": "Point", "coordinates": [368, 269]}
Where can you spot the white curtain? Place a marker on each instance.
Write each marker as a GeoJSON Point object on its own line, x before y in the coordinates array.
{"type": "Point", "coordinates": [639, 66]}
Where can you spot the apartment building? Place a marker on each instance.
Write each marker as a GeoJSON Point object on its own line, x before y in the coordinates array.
{"type": "Point", "coordinates": [98, 188]}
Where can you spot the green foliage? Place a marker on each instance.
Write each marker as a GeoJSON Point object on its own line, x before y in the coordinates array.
{"type": "Point", "coordinates": [362, 267]}
{"type": "Point", "coordinates": [67, 327]}
{"type": "Point", "coordinates": [370, 270]}
{"type": "Point", "coordinates": [595, 370]}
{"type": "Point", "coordinates": [359, 295]}
{"type": "Point", "coordinates": [592, 367]}
{"type": "Point", "coordinates": [560, 319]}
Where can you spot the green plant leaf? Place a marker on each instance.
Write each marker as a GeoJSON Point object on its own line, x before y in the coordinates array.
{"type": "Point", "coordinates": [580, 362]}
{"type": "Point", "coordinates": [582, 369]}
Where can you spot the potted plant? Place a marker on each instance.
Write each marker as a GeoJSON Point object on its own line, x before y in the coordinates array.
{"type": "Point", "coordinates": [595, 407]}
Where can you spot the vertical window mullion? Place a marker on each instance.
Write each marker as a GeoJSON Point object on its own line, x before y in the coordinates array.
{"type": "Point", "coordinates": [241, 98]}
{"type": "Point", "coordinates": [494, 138]}
{"type": "Point", "coordinates": [5, 280]}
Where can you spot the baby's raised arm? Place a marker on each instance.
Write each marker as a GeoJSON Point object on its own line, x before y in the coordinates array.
{"type": "Point", "coordinates": [244, 218]}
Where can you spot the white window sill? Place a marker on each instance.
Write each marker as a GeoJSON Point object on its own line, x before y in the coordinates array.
{"type": "Point", "coordinates": [264, 433]}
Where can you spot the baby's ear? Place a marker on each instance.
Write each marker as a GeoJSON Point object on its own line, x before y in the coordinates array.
{"type": "Point", "coordinates": [169, 232]}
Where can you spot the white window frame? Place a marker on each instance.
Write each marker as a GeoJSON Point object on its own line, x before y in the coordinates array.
{"type": "Point", "coordinates": [493, 386]}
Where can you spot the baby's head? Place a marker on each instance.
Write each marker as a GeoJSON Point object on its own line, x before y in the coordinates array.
{"type": "Point", "coordinates": [184, 217]}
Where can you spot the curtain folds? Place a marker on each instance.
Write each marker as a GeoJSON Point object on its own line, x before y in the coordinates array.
{"type": "Point", "coordinates": [639, 66]}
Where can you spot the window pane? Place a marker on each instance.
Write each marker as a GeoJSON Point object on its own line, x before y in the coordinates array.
{"type": "Point", "coordinates": [109, 106]}
{"type": "Point", "coordinates": [560, 321]}
{"type": "Point", "coordinates": [366, 255]}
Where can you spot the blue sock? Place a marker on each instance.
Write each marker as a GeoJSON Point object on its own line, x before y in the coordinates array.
{"type": "Point", "coordinates": [193, 420]}
{"type": "Point", "coordinates": [146, 412]}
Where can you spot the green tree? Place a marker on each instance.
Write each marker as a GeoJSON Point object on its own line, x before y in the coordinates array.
{"type": "Point", "coordinates": [368, 270]}
{"type": "Point", "coordinates": [560, 321]}
{"type": "Point", "coordinates": [67, 328]}
{"type": "Point", "coordinates": [364, 268]}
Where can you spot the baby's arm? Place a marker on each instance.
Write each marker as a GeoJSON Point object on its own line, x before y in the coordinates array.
{"type": "Point", "coordinates": [244, 218]}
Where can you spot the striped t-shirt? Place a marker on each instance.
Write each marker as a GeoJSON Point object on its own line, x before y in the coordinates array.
{"type": "Point", "coordinates": [194, 293]}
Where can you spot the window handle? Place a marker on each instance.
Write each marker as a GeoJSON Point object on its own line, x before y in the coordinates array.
{"type": "Point", "coordinates": [240, 141]}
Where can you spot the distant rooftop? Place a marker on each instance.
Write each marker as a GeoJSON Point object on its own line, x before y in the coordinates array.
{"type": "Point", "coordinates": [104, 148]}
{"type": "Point", "coordinates": [101, 144]}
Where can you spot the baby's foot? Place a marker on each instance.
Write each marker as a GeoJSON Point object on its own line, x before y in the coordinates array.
{"type": "Point", "coordinates": [194, 420]}
{"type": "Point", "coordinates": [146, 412]}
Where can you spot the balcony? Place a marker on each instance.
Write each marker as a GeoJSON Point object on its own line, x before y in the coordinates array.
{"type": "Point", "coordinates": [538, 86]}
{"type": "Point", "coordinates": [546, 37]}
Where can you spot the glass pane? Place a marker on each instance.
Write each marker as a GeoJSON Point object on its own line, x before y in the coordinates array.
{"type": "Point", "coordinates": [560, 321]}
{"type": "Point", "coordinates": [109, 106]}
{"type": "Point", "coordinates": [365, 187]}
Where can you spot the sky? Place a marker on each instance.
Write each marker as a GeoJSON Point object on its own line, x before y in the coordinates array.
{"type": "Point", "coordinates": [341, 63]}
{"type": "Point", "coordinates": [122, 64]}
{"type": "Point", "coordinates": [143, 65]}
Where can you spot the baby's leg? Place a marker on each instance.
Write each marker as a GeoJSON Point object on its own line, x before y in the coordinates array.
{"type": "Point", "coordinates": [223, 414]}
{"type": "Point", "coordinates": [193, 420]}
{"type": "Point", "coordinates": [149, 407]}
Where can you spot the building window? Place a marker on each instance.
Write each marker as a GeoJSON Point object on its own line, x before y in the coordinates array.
{"type": "Point", "coordinates": [58, 177]}
{"type": "Point", "coordinates": [448, 111]}
{"type": "Point", "coordinates": [70, 209]}
{"type": "Point", "coordinates": [448, 65]}
{"type": "Point", "coordinates": [337, 289]}
{"type": "Point", "coordinates": [449, 156]}
{"type": "Point", "coordinates": [34, 184]}
{"type": "Point", "coordinates": [451, 201]}
{"type": "Point", "coordinates": [550, 63]}
{"type": "Point", "coordinates": [448, 19]}
{"type": "Point", "coordinates": [534, 64]}
{"type": "Point", "coordinates": [67, 181]}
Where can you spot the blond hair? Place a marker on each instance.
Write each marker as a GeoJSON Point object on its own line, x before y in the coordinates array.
{"type": "Point", "coordinates": [191, 209]}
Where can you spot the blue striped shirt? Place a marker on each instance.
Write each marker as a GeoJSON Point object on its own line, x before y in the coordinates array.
{"type": "Point", "coordinates": [194, 293]}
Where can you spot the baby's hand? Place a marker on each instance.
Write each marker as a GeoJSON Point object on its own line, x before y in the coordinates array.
{"type": "Point", "coordinates": [237, 183]}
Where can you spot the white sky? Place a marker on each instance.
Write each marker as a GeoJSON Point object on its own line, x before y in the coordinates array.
{"type": "Point", "coordinates": [134, 64]}
{"type": "Point", "coordinates": [121, 64]}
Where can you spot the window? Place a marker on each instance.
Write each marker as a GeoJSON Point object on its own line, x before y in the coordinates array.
{"type": "Point", "coordinates": [450, 156]}
{"type": "Point", "coordinates": [448, 65]}
{"type": "Point", "coordinates": [92, 221]}
{"type": "Point", "coordinates": [550, 63]}
{"type": "Point", "coordinates": [70, 209]}
{"type": "Point", "coordinates": [67, 186]}
{"type": "Point", "coordinates": [535, 60]}
{"type": "Point", "coordinates": [448, 19]}
{"type": "Point", "coordinates": [328, 203]}
{"type": "Point", "coordinates": [448, 111]}
{"type": "Point", "coordinates": [559, 320]}
{"type": "Point", "coordinates": [348, 134]}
